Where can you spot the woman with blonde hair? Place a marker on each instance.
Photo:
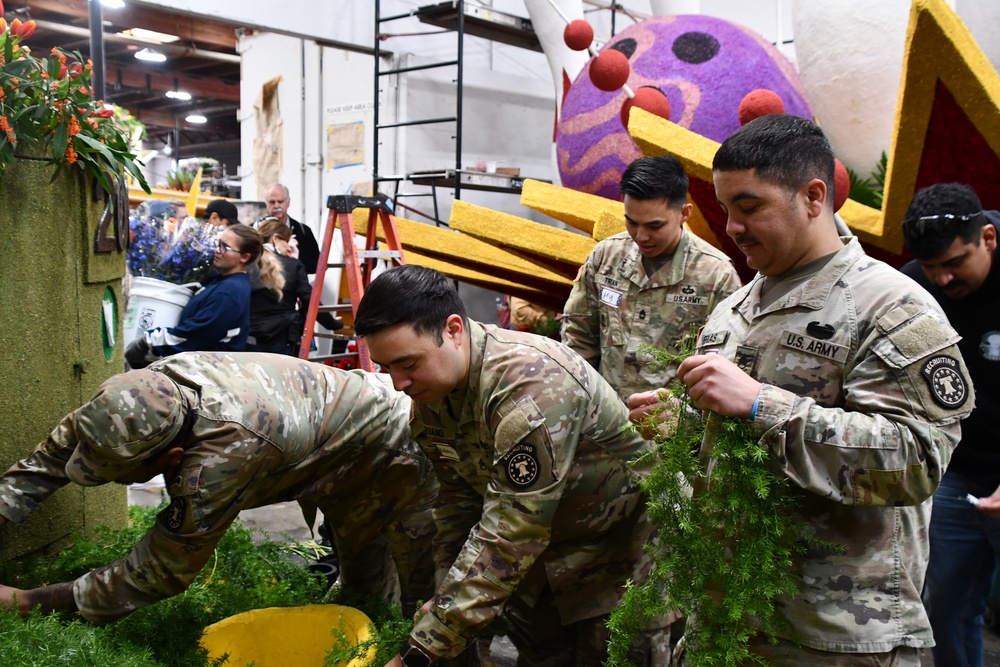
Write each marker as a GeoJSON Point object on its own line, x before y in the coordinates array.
{"type": "Point", "coordinates": [277, 317]}
{"type": "Point", "coordinates": [217, 318]}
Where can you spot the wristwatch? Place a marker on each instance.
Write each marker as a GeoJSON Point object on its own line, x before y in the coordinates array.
{"type": "Point", "coordinates": [414, 656]}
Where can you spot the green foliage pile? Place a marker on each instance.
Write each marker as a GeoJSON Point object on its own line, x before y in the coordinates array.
{"type": "Point", "coordinates": [242, 575]}
{"type": "Point", "coordinates": [389, 631]}
{"type": "Point", "coordinates": [727, 539]}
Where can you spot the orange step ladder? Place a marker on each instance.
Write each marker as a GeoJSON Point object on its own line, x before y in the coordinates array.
{"type": "Point", "coordinates": [358, 264]}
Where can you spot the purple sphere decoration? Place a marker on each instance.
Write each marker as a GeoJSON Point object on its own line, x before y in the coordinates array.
{"type": "Point", "coordinates": [704, 66]}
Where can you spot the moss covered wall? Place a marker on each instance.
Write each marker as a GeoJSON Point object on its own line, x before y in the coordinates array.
{"type": "Point", "coordinates": [53, 352]}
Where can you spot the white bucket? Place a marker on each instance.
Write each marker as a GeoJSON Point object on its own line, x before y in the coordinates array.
{"type": "Point", "coordinates": [153, 303]}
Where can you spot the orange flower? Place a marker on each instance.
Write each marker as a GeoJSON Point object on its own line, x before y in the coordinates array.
{"type": "Point", "coordinates": [22, 30]}
{"type": "Point", "coordinates": [74, 126]}
{"type": "Point", "coordinates": [14, 81]}
{"type": "Point", "coordinates": [83, 89]}
{"type": "Point", "coordinates": [5, 126]}
{"type": "Point", "coordinates": [3, 25]}
{"type": "Point", "coordinates": [2, 94]}
{"type": "Point", "coordinates": [70, 154]}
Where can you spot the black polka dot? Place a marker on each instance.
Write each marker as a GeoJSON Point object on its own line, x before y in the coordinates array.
{"type": "Point", "coordinates": [626, 46]}
{"type": "Point", "coordinates": [695, 47]}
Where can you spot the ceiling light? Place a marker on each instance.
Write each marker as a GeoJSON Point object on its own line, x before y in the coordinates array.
{"type": "Point", "coordinates": [149, 35]}
{"type": "Point", "coordinates": [178, 95]}
{"type": "Point", "coordinates": [113, 4]}
{"type": "Point", "coordinates": [197, 119]}
{"type": "Point", "coordinates": [150, 55]}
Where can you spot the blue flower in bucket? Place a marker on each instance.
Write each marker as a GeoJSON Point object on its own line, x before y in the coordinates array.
{"type": "Point", "coordinates": [181, 256]}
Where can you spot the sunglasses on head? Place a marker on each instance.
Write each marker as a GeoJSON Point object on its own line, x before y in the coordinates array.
{"type": "Point", "coordinates": [919, 224]}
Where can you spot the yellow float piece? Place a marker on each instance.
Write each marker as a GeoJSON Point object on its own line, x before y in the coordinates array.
{"type": "Point", "coordinates": [558, 249]}
{"type": "Point", "coordinates": [471, 254]}
{"type": "Point", "coordinates": [284, 636]}
{"type": "Point", "coordinates": [577, 209]}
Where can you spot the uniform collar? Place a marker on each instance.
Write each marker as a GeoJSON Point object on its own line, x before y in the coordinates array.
{"type": "Point", "coordinates": [814, 293]}
{"type": "Point", "coordinates": [671, 273]}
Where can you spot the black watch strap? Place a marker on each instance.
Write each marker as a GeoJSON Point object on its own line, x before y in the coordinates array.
{"type": "Point", "coordinates": [414, 656]}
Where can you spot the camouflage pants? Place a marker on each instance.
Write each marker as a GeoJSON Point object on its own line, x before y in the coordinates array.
{"type": "Point", "coordinates": [542, 641]}
{"type": "Point", "coordinates": [395, 565]}
{"type": "Point", "coordinates": [789, 654]}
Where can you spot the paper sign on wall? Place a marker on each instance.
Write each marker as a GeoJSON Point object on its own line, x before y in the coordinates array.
{"type": "Point", "coordinates": [345, 144]}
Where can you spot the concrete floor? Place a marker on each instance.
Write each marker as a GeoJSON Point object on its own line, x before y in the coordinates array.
{"type": "Point", "coordinates": [283, 522]}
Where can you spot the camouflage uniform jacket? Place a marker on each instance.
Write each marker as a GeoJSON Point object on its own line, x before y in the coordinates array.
{"type": "Point", "coordinates": [615, 308]}
{"type": "Point", "coordinates": [863, 390]}
{"type": "Point", "coordinates": [532, 457]}
{"type": "Point", "coordinates": [269, 428]}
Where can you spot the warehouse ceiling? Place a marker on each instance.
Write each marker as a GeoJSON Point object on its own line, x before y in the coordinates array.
{"type": "Point", "coordinates": [201, 60]}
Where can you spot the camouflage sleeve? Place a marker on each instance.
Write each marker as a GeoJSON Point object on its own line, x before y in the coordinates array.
{"type": "Point", "coordinates": [161, 565]}
{"type": "Point", "coordinates": [893, 438]}
{"type": "Point", "coordinates": [204, 503]}
{"type": "Point", "coordinates": [26, 485]}
{"type": "Point", "coordinates": [581, 327]}
{"type": "Point", "coordinates": [456, 511]}
{"type": "Point", "coordinates": [513, 531]}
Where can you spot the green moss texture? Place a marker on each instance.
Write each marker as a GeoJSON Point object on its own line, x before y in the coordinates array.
{"type": "Point", "coordinates": [52, 346]}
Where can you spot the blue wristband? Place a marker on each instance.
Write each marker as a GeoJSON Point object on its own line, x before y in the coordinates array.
{"type": "Point", "coordinates": [753, 410]}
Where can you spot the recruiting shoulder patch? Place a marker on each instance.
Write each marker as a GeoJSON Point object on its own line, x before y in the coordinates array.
{"type": "Point", "coordinates": [945, 380]}
{"type": "Point", "coordinates": [175, 512]}
{"type": "Point", "coordinates": [521, 464]}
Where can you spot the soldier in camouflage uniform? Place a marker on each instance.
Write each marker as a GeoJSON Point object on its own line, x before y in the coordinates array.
{"type": "Point", "coordinates": [850, 375]}
{"type": "Point", "coordinates": [539, 514]}
{"type": "Point", "coordinates": [647, 285]}
{"type": "Point", "coordinates": [232, 432]}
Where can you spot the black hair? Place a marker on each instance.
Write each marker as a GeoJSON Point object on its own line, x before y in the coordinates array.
{"type": "Point", "coordinates": [940, 213]}
{"type": "Point", "coordinates": [409, 294]}
{"type": "Point", "coordinates": [660, 177]}
{"type": "Point", "coordinates": [785, 150]}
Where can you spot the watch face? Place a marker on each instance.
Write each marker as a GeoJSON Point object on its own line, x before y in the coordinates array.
{"type": "Point", "coordinates": [414, 657]}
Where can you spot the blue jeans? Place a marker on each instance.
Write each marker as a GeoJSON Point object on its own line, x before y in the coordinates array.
{"type": "Point", "coordinates": [965, 544]}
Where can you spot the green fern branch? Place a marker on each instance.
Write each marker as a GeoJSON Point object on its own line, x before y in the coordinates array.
{"type": "Point", "coordinates": [728, 537]}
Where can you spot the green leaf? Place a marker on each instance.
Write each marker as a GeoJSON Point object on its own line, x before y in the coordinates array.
{"type": "Point", "coordinates": [59, 140]}
{"type": "Point", "coordinates": [99, 147]}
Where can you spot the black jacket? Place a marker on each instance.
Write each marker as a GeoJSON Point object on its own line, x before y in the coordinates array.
{"type": "Point", "coordinates": [272, 320]}
{"type": "Point", "coordinates": [308, 248]}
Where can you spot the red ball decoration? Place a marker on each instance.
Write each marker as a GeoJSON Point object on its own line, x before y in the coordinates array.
{"type": "Point", "coordinates": [841, 184]}
{"type": "Point", "coordinates": [760, 102]}
{"type": "Point", "coordinates": [648, 99]}
{"type": "Point", "coordinates": [578, 35]}
{"type": "Point", "coordinates": [609, 70]}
